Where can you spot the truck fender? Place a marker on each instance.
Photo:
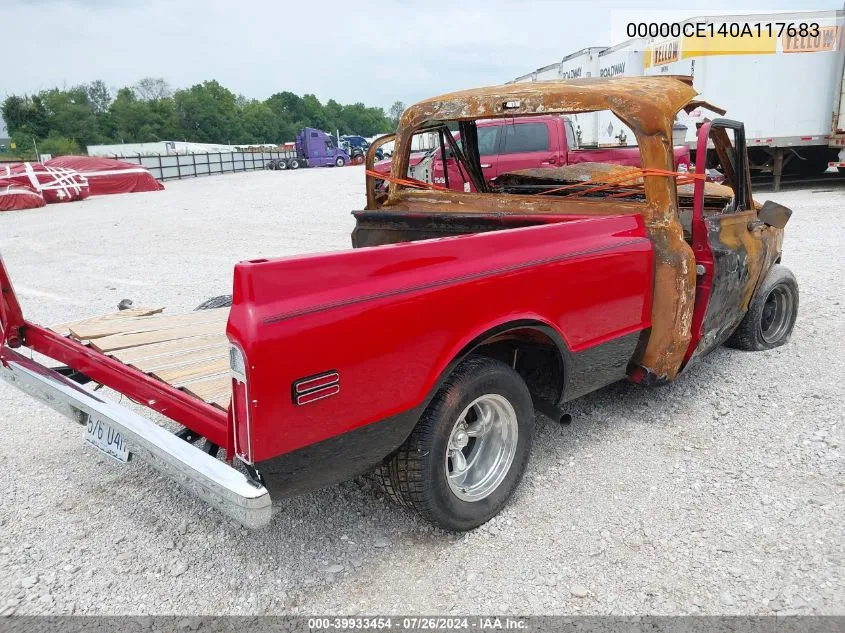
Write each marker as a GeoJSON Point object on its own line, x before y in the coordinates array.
{"type": "Point", "coordinates": [478, 339]}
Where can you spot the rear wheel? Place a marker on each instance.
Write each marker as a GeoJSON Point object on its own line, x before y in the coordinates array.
{"type": "Point", "coordinates": [282, 163]}
{"type": "Point", "coordinates": [293, 163]}
{"type": "Point", "coordinates": [771, 315]}
{"type": "Point", "coordinates": [469, 450]}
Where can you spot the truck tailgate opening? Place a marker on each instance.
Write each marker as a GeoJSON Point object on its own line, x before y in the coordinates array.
{"type": "Point", "coordinates": [175, 365]}
{"type": "Point", "coordinates": [186, 351]}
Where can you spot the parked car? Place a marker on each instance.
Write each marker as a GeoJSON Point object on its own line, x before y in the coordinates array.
{"type": "Point", "coordinates": [359, 146]}
{"type": "Point", "coordinates": [424, 360]}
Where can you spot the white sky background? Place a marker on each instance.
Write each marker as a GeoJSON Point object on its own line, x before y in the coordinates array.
{"type": "Point", "coordinates": [376, 52]}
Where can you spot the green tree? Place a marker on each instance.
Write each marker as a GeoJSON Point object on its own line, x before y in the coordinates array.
{"type": "Point", "coordinates": [58, 146]}
{"type": "Point", "coordinates": [26, 116]}
{"type": "Point", "coordinates": [260, 123]}
{"type": "Point", "coordinates": [71, 114]}
{"type": "Point", "coordinates": [208, 113]}
{"type": "Point", "coordinates": [395, 112]}
{"type": "Point", "coordinates": [69, 119]}
{"type": "Point", "coordinates": [99, 96]}
{"type": "Point", "coordinates": [152, 89]}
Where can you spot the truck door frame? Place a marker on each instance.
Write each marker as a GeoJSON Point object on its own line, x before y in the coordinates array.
{"type": "Point", "coordinates": [728, 251]}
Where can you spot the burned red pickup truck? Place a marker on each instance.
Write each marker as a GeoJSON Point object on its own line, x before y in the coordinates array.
{"type": "Point", "coordinates": [423, 353]}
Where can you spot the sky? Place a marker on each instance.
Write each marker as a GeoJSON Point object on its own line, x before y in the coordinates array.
{"type": "Point", "coordinates": [376, 52]}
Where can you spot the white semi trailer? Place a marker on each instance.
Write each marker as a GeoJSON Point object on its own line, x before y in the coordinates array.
{"type": "Point", "coordinates": [623, 60]}
{"type": "Point", "coordinates": [578, 65]}
{"type": "Point", "coordinates": [788, 89]}
{"type": "Point", "coordinates": [785, 87]}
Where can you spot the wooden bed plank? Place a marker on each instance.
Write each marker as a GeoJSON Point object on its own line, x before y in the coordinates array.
{"type": "Point", "coordinates": [94, 328]}
{"type": "Point", "coordinates": [64, 328]}
{"type": "Point", "coordinates": [153, 350]}
{"type": "Point", "coordinates": [211, 388]}
{"type": "Point", "coordinates": [176, 359]}
{"type": "Point", "coordinates": [135, 339]}
{"type": "Point", "coordinates": [187, 351]}
{"type": "Point", "coordinates": [179, 376]}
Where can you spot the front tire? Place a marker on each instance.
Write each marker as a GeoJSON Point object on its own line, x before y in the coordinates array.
{"type": "Point", "coordinates": [469, 450]}
{"type": "Point", "coordinates": [340, 161]}
{"type": "Point", "coordinates": [771, 315]}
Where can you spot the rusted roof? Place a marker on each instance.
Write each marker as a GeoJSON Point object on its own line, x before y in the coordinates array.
{"type": "Point", "coordinates": [644, 100]}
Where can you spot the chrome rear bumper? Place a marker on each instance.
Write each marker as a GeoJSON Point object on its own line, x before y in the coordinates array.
{"type": "Point", "coordinates": [215, 482]}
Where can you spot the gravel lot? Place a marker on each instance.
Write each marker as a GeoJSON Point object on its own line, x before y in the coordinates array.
{"type": "Point", "coordinates": [722, 493]}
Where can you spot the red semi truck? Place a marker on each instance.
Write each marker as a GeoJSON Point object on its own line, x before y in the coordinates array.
{"type": "Point", "coordinates": [425, 359]}
{"type": "Point", "coordinates": [508, 144]}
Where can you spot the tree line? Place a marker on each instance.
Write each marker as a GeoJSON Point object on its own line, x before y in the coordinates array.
{"type": "Point", "coordinates": [66, 121]}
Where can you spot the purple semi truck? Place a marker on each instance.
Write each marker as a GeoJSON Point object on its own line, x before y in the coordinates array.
{"type": "Point", "coordinates": [314, 148]}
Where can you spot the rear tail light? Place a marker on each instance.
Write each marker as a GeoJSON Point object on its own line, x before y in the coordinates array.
{"type": "Point", "coordinates": [237, 363]}
{"type": "Point", "coordinates": [240, 404]}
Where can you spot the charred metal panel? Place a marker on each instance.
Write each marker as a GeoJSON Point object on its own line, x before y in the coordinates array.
{"type": "Point", "coordinates": [599, 366]}
{"type": "Point", "coordinates": [378, 228]}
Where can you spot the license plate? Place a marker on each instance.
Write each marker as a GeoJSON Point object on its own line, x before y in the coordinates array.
{"type": "Point", "coordinates": [106, 438]}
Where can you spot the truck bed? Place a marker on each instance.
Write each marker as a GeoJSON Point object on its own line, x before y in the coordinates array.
{"type": "Point", "coordinates": [187, 351]}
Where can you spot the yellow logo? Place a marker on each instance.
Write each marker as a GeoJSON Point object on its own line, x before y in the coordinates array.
{"type": "Point", "coordinates": [824, 40]}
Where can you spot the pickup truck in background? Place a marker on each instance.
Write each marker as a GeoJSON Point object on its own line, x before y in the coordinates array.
{"type": "Point", "coordinates": [424, 360]}
{"type": "Point", "coordinates": [521, 143]}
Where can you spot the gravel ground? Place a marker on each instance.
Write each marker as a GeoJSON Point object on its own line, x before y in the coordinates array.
{"type": "Point", "coordinates": [719, 494]}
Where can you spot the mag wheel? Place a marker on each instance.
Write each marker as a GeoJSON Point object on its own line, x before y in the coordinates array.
{"type": "Point", "coordinates": [481, 447]}
{"type": "Point", "coordinates": [771, 315]}
{"type": "Point", "coordinates": [469, 450]}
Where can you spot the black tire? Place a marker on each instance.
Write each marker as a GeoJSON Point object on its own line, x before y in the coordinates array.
{"type": "Point", "coordinates": [270, 165]}
{"type": "Point", "coordinates": [771, 315]}
{"type": "Point", "coordinates": [282, 164]}
{"type": "Point", "coordinates": [293, 163]}
{"type": "Point", "coordinates": [223, 301]}
{"type": "Point", "coordinates": [416, 476]}
{"type": "Point", "coordinates": [340, 161]}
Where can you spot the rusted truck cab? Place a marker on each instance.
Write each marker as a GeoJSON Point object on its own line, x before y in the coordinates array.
{"type": "Point", "coordinates": [711, 249]}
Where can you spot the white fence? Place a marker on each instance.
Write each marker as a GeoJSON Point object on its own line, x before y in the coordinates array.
{"type": "Point", "coordinates": [173, 166]}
